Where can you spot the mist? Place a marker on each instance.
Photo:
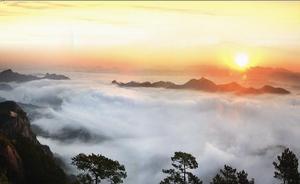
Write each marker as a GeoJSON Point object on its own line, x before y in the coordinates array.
{"type": "Point", "coordinates": [143, 127]}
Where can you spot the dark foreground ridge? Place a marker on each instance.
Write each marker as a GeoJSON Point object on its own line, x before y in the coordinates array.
{"type": "Point", "coordinates": [23, 160]}
{"type": "Point", "coordinates": [204, 84]}
{"type": "Point", "coordinates": [11, 76]}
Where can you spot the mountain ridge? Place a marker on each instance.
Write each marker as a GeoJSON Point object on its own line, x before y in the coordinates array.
{"type": "Point", "coordinates": [207, 85]}
{"type": "Point", "coordinates": [10, 76]}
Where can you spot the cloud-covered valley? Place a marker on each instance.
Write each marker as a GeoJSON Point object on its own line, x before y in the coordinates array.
{"type": "Point", "coordinates": [142, 128]}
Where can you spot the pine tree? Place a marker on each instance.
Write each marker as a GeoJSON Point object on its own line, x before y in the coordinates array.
{"type": "Point", "coordinates": [286, 169]}
{"type": "Point", "coordinates": [96, 168]}
{"type": "Point", "coordinates": [182, 163]}
{"type": "Point", "coordinates": [229, 175]}
{"type": "Point", "coordinates": [243, 178]}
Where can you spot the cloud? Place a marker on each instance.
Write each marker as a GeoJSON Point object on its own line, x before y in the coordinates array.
{"type": "Point", "coordinates": [176, 10]}
{"type": "Point", "coordinates": [39, 6]}
{"type": "Point", "coordinates": [144, 127]}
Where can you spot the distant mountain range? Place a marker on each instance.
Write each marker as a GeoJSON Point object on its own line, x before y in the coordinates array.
{"type": "Point", "coordinates": [11, 76]}
{"type": "Point", "coordinates": [204, 84]}
{"type": "Point", "coordinates": [277, 74]}
{"type": "Point", "coordinates": [253, 75]}
{"type": "Point", "coordinates": [69, 134]}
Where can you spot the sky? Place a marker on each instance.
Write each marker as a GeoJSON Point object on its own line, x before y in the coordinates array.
{"type": "Point", "coordinates": [149, 35]}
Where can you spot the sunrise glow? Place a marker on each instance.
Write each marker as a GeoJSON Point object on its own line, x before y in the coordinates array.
{"type": "Point", "coordinates": [109, 35]}
{"type": "Point", "coordinates": [241, 60]}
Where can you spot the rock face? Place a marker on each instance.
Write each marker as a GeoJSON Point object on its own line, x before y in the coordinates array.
{"type": "Point", "coordinates": [14, 121]}
{"type": "Point", "coordinates": [23, 159]}
{"type": "Point", "coordinates": [204, 84]}
{"type": "Point", "coordinates": [10, 161]}
{"type": "Point", "coordinates": [11, 76]}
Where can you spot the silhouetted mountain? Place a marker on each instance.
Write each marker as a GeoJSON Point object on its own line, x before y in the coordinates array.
{"type": "Point", "coordinates": [11, 76]}
{"type": "Point", "coordinates": [5, 87]}
{"type": "Point", "coordinates": [23, 160]}
{"type": "Point", "coordinates": [163, 84]}
{"type": "Point", "coordinates": [159, 84]}
{"type": "Point", "coordinates": [204, 84]}
{"type": "Point", "coordinates": [200, 84]}
{"type": "Point", "coordinates": [55, 77]}
{"type": "Point", "coordinates": [69, 134]}
{"type": "Point", "coordinates": [258, 73]}
{"type": "Point", "coordinates": [230, 87]}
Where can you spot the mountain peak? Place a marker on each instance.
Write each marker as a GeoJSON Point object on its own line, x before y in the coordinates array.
{"type": "Point", "coordinates": [202, 83]}
{"type": "Point", "coordinates": [203, 78]}
{"type": "Point", "coordinates": [14, 121]}
{"type": "Point", "coordinates": [7, 71]}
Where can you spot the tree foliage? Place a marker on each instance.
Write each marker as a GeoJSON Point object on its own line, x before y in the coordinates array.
{"type": "Point", "coordinates": [286, 169]}
{"type": "Point", "coordinates": [243, 178]}
{"type": "Point", "coordinates": [3, 178]}
{"type": "Point", "coordinates": [96, 168]}
{"type": "Point", "coordinates": [182, 163]}
{"type": "Point", "coordinates": [229, 175]}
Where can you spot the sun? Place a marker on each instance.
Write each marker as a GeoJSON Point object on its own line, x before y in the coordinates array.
{"type": "Point", "coordinates": [241, 60]}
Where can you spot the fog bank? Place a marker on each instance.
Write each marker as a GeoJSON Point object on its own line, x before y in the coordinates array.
{"type": "Point", "coordinates": [142, 128]}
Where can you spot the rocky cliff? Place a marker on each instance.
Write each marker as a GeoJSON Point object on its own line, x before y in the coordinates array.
{"type": "Point", "coordinates": [23, 160]}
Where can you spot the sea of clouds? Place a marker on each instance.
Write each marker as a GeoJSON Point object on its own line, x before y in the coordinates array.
{"type": "Point", "coordinates": [143, 127]}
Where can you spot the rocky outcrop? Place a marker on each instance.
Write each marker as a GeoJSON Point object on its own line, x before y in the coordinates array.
{"type": "Point", "coordinates": [10, 161]}
{"type": "Point", "coordinates": [204, 84]}
{"type": "Point", "coordinates": [14, 121]}
{"type": "Point", "coordinates": [23, 159]}
{"type": "Point", "coordinates": [11, 76]}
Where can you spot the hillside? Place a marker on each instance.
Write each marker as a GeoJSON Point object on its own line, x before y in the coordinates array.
{"type": "Point", "coordinates": [23, 159]}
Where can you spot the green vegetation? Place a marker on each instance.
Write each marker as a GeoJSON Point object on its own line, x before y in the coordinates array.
{"type": "Point", "coordinates": [286, 169]}
{"type": "Point", "coordinates": [182, 163]}
{"type": "Point", "coordinates": [229, 175]}
{"type": "Point", "coordinates": [96, 168]}
{"type": "Point", "coordinates": [3, 178]}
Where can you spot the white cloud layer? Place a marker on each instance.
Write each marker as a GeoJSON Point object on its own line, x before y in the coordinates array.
{"type": "Point", "coordinates": [144, 127]}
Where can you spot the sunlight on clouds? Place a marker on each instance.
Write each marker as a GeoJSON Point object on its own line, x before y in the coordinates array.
{"type": "Point", "coordinates": [150, 33]}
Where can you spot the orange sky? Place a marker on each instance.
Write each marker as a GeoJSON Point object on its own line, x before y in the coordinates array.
{"type": "Point", "coordinates": [156, 35]}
